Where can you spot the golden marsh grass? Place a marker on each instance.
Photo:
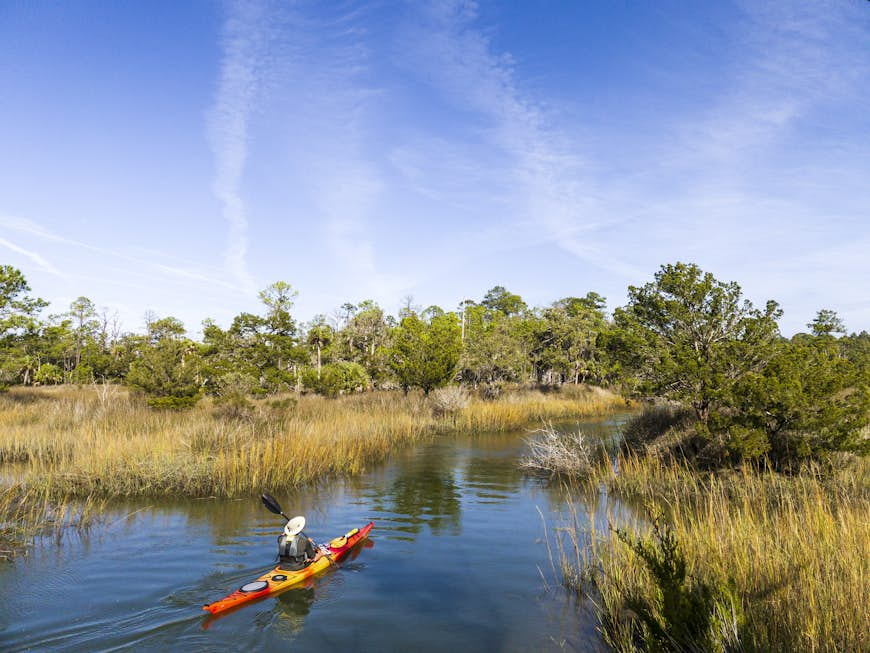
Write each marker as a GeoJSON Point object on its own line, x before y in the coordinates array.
{"type": "Point", "coordinates": [94, 442]}
{"type": "Point", "coordinates": [28, 512]}
{"type": "Point", "coordinates": [793, 553]}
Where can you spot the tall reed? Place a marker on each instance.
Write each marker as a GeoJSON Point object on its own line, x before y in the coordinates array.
{"type": "Point", "coordinates": [76, 441]}
{"type": "Point", "coordinates": [29, 512]}
{"type": "Point", "coordinates": [790, 556]}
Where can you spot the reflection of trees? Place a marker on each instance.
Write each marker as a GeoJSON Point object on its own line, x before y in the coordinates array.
{"type": "Point", "coordinates": [425, 492]}
{"type": "Point", "coordinates": [227, 519]}
{"type": "Point", "coordinates": [291, 609]}
{"type": "Point", "coordinates": [492, 477]}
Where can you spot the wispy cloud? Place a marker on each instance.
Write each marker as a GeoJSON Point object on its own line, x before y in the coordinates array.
{"type": "Point", "coordinates": [786, 59]}
{"type": "Point", "coordinates": [244, 41]}
{"type": "Point", "coordinates": [142, 264]}
{"type": "Point", "coordinates": [33, 256]}
{"type": "Point", "coordinates": [548, 175]}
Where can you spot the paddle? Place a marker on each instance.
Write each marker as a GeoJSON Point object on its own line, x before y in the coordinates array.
{"type": "Point", "coordinates": [273, 506]}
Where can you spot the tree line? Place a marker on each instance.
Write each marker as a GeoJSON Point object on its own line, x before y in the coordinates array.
{"type": "Point", "coordinates": [684, 336]}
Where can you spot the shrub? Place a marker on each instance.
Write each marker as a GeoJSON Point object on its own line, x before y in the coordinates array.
{"type": "Point", "coordinates": [48, 374]}
{"type": "Point", "coordinates": [555, 453]}
{"type": "Point", "coordinates": [684, 612]}
{"type": "Point", "coordinates": [309, 378]}
{"type": "Point", "coordinates": [337, 378]}
{"type": "Point", "coordinates": [83, 374]}
{"type": "Point", "coordinates": [168, 373]}
{"type": "Point", "coordinates": [173, 403]}
{"type": "Point", "coordinates": [449, 400]}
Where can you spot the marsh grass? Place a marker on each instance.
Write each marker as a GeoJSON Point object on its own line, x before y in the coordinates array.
{"type": "Point", "coordinates": [88, 442]}
{"type": "Point", "coordinates": [789, 556]}
{"type": "Point", "coordinates": [28, 513]}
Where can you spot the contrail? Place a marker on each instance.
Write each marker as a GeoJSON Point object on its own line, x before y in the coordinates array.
{"type": "Point", "coordinates": [33, 256]}
{"type": "Point", "coordinates": [242, 41]}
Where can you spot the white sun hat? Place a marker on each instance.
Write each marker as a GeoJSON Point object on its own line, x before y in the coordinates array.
{"type": "Point", "coordinates": [294, 526]}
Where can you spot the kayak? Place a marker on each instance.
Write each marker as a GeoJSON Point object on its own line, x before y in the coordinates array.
{"type": "Point", "coordinates": [279, 579]}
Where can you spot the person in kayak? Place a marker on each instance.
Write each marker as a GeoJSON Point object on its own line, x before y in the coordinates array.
{"type": "Point", "coordinates": [295, 549]}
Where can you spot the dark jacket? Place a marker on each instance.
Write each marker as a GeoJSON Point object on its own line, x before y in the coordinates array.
{"type": "Point", "coordinates": [295, 552]}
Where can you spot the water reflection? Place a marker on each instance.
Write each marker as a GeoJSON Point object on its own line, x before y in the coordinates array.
{"type": "Point", "coordinates": [491, 480]}
{"type": "Point", "coordinates": [291, 609]}
{"type": "Point", "coordinates": [458, 562]}
{"type": "Point", "coordinates": [424, 492]}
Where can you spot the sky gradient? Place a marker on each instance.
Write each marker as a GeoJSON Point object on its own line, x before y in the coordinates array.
{"type": "Point", "coordinates": [177, 158]}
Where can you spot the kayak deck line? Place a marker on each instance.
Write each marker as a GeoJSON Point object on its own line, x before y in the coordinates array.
{"type": "Point", "coordinates": [278, 579]}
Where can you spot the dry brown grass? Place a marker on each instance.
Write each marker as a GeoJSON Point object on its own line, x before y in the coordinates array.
{"type": "Point", "coordinates": [29, 512]}
{"type": "Point", "coordinates": [87, 442]}
{"type": "Point", "coordinates": [793, 553]}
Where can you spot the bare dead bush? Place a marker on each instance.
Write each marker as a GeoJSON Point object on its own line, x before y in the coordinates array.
{"type": "Point", "coordinates": [449, 400]}
{"type": "Point", "coordinates": [555, 453]}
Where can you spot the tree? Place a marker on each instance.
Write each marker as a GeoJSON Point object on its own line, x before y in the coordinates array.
{"type": "Point", "coordinates": [17, 309]}
{"type": "Point", "coordinates": [19, 326]}
{"type": "Point", "coordinates": [265, 348]}
{"type": "Point", "coordinates": [424, 354]}
{"type": "Point", "coordinates": [280, 337]}
{"type": "Point", "coordinates": [364, 338]}
{"type": "Point", "coordinates": [320, 335]}
{"type": "Point", "coordinates": [167, 369]}
{"type": "Point", "coordinates": [493, 349]}
{"type": "Point", "coordinates": [566, 340]}
{"type": "Point", "coordinates": [827, 323]}
{"type": "Point", "coordinates": [83, 315]}
{"type": "Point", "coordinates": [688, 337]}
{"type": "Point", "coordinates": [807, 401]}
{"type": "Point", "coordinates": [499, 300]}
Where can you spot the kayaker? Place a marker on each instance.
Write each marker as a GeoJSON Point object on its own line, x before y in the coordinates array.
{"type": "Point", "coordinates": [295, 549]}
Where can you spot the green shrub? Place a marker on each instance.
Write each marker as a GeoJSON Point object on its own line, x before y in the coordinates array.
{"type": "Point", "coordinates": [168, 373]}
{"type": "Point", "coordinates": [684, 612]}
{"type": "Point", "coordinates": [343, 377]}
{"type": "Point", "coordinates": [83, 374]}
{"type": "Point", "coordinates": [48, 374]}
{"type": "Point", "coordinates": [173, 403]}
{"type": "Point", "coordinates": [337, 378]}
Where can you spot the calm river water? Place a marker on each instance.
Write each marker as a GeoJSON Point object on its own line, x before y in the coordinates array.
{"type": "Point", "coordinates": [458, 561]}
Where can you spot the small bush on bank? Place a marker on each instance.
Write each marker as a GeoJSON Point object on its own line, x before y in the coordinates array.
{"type": "Point", "coordinates": [727, 441]}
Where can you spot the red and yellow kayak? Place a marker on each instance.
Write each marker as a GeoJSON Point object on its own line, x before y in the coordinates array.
{"type": "Point", "coordinates": [279, 579]}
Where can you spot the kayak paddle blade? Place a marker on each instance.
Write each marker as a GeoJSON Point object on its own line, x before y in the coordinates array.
{"type": "Point", "coordinates": [271, 504]}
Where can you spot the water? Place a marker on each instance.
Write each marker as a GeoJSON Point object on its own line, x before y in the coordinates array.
{"type": "Point", "coordinates": [458, 561]}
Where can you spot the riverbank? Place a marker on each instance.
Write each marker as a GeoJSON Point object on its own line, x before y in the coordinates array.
{"type": "Point", "coordinates": [772, 562]}
{"type": "Point", "coordinates": [100, 442]}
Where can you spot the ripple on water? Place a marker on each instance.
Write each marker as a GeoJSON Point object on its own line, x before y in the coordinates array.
{"type": "Point", "coordinates": [455, 564]}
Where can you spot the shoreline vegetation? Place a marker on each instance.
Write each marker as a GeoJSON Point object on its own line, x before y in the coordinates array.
{"type": "Point", "coordinates": [67, 449]}
{"type": "Point", "coordinates": [738, 559]}
{"type": "Point", "coordinates": [753, 468]}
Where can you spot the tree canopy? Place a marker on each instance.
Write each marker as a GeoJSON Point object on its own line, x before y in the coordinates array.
{"type": "Point", "coordinates": [684, 336]}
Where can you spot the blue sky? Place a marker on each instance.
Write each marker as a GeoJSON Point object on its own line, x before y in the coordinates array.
{"type": "Point", "coordinates": [179, 157]}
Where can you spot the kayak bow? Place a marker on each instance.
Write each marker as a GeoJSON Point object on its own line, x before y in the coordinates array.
{"type": "Point", "coordinates": [279, 579]}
